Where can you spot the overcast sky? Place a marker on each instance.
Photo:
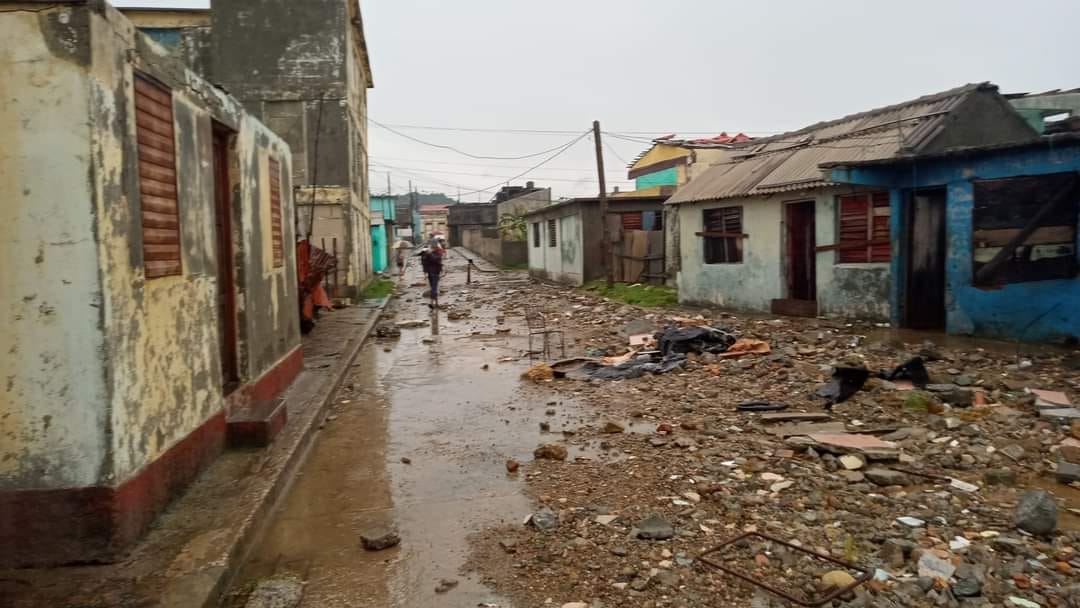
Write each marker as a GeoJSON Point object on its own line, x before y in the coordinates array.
{"type": "Point", "coordinates": [693, 67]}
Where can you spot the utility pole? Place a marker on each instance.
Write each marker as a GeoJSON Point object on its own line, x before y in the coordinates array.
{"type": "Point", "coordinates": [605, 241]}
{"type": "Point", "coordinates": [389, 190]}
{"type": "Point", "coordinates": [413, 219]}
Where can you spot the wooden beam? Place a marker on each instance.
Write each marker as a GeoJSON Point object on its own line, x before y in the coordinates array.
{"type": "Point", "coordinates": [1009, 249]}
{"type": "Point", "coordinates": [851, 245]}
{"type": "Point", "coordinates": [723, 235]}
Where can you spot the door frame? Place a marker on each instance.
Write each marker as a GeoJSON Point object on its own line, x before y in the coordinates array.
{"type": "Point", "coordinates": [909, 295]}
{"type": "Point", "coordinates": [788, 305]}
{"type": "Point", "coordinates": [222, 151]}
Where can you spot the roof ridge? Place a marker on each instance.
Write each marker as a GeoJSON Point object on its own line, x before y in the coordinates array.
{"type": "Point", "coordinates": [954, 92]}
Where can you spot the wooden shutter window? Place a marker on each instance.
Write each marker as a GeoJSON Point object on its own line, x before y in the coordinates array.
{"type": "Point", "coordinates": [156, 141]}
{"type": "Point", "coordinates": [631, 220]}
{"type": "Point", "coordinates": [723, 235]}
{"type": "Point", "coordinates": [864, 228]}
{"type": "Point", "coordinates": [275, 214]}
{"type": "Point", "coordinates": [552, 240]}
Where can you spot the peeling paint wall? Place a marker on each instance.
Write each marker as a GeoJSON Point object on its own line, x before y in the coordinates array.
{"type": "Point", "coordinates": [52, 402]}
{"type": "Point", "coordinates": [843, 290]}
{"type": "Point", "coordinates": [1045, 311]}
{"type": "Point", "coordinates": [565, 262]}
{"type": "Point", "coordinates": [113, 369]}
{"type": "Point", "coordinates": [297, 66]}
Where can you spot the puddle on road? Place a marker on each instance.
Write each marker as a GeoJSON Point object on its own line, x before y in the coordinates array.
{"type": "Point", "coordinates": [457, 422]}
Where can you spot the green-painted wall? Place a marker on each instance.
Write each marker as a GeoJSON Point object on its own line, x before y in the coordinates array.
{"type": "Point", "coordinates": [664, 177]}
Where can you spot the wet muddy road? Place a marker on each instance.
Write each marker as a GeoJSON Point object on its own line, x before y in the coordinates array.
{"type": "Point", "coordinates": [456, 414]}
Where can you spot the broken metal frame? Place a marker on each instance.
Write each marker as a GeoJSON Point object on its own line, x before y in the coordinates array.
{"type": "Point", "coordinates": [536, 320]}
{"type": "Point", "coordinates": [812, 603]}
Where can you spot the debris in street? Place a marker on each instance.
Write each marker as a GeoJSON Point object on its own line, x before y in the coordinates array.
{"type": "Point", "coordinates": [412, 324]}
{"type": "Point", "coordinates": [445, 585]}
{"type": "Point", "coordinates": [845, 382]}
{"type": "Point", "coordinates": [1036, 513]}
{"type": "Point", "coordinates": [550, 451]}
{"type": "Point", "coordinates": [693, 339]}
{"type": "Point", "coordinates": [745, 346]}
{"type": "Point", "coordinates": [913, 369]}
{"type": "Point", "coordinates": [379, 539]}
{"type": "Point", "coordinates": [512, 465]}
{"type": "Point", "coordinates": [655, 527]}
{"type": "Point", "coordinates": [539, 372]}
{"type": "Point", "coordinates": [760, 406]}
{"type": "Point", "coordinates": [406, 460]}
{"type": "Point", "coordinates": [543, 519]}
{"type": "Point", "coordinates": [277, 592]}
{"type": "Point", "coordinates": [388, 330]}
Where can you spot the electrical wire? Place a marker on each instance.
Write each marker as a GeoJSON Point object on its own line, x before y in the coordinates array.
{"type": "Point", "coordinates": [462, 152]}
{"type": "Point", "coordinates": [538, 165]}
{"type": "Point", "coordinates": [540, 178]}
{"type": "Point", "coordinates": [591, 171]}
{"type": "Point", "coordinates": [562, 132]}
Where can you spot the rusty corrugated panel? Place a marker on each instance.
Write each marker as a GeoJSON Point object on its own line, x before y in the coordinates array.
{"type": "Point", "coordinates": [157, 178]}
{"type": "Point", "coordinates": [792, 161]}
{"type": "Point", "coordinates": [275, 214]}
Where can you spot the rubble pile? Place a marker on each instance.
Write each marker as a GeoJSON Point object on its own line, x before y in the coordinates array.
{"type": "Point", "coordinates": [941, 472]}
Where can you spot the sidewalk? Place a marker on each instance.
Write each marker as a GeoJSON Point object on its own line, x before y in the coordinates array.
{"type": "Point", "coordinates": [196, 546]}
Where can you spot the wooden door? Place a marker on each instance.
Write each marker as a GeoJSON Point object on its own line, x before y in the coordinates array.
{"type": "Point", "coordinates": [225, 272]}
{"type": "Point", "coordinates": [925, 290]}
{"type": "Point", "coordinates": [800, 251]}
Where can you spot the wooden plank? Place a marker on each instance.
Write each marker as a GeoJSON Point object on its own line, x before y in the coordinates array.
{"type": "Point", "coordinates": [1042, 235]}
{"type": "Point", "coordinates": [160, 189]}
{"type": "Point", "coordinates": [153, 140]}
{"type": "Point", "coordinates": [639, 248]}
{"type": "Point", "coordinates": [162, 268]}
{"type": "Point", "coordinates": [722, 235]}
{"type": "Point", "coordinates": [151, 219]}
{"type": "Point", "coordinates": [852, 245]}
{"type": "Point", "coordinates": [162, 111]}
{"type": "Point", "coordinates": [157, 173]}
{"type": "Point", "coordinates": [148, 121]}
{"type": "Point", "coordinates": [161, 251]}
{"type": "Point", "coordinates": [983, 274]}
{"type": "Point", "coordinates": [152, 90]}
{"type": "Point", "coordinates": [158, 157]}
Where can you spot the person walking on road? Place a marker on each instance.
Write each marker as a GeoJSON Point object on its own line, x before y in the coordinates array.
{"type": "Point", "coordinates": [431, 259]}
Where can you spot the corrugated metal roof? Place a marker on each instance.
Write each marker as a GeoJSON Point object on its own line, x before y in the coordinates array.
{"type": "Point", "coordinates": [792, 160]}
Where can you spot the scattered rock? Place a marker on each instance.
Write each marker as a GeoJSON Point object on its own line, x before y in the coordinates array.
{"type": "Point", "coordinates": [655, 527]}
{"type": "Point", "coordinates": [406, 460]}
{"type": "Point", "coordinates": [512, 465]}
{"type": "Point", "coordinates": [836, 579]}
{"type": "Point", "coordinates": [550, 451]}
{"type": "Point", "coordinates": [539, 372]}
{"type": "Point", "coordinates": [934, 567]}
{"type": "Point", "coordinates": [852, 462]}
{"type": "Point", "coordinates": [276, 592]}
{"type": "Point", "coordinates": [1036, 513]}
{"type": "Point", "coordinates": [999, 477]}
{"type": "Point", "coordinates": [544, 519]}
{"type": "Point", "coordinates": [612, 428]}
{"type": "Point", "coordinates": [379, 539]}
{"type": "Point", "coordinates": [887, 477]}
{"type": "Point", "coordinates": [509, 545]}
{"type": "Point", "coordinates": [445, 585]}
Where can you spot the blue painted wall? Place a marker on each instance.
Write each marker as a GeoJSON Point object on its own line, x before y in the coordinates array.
{"type": "Point", "coordinates": [378, 248]}
{"type": "Point", "coordinates": [1046, 311]}
{"type": "Point", "coordinates": [664, 177]}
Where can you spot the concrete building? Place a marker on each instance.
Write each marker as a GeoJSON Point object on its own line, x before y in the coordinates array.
{"type": "Point", "coordinates": [766, 229]}
{"type": "Point", "coordinates": [434, 217]}
{"type": "Point", "coordinates": [383, 234]}
{"type": "Point", "coordinates": [668, 164]}
{"type": "Point", "coordinates": [303, 69]}
{"type": "Point", "coordinates": [985, 239]}
{"type": "Point", "coordinates": [476, 226]}
{"type": "Point", "coordinates": [565, 238]}
{"type": "Point", "coordinates": [149, 285]}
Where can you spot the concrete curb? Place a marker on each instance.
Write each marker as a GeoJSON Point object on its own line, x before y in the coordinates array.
{"type": "Point", "coordinates": [207, 587]}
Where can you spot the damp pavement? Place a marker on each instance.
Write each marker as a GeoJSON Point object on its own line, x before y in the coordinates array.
{"type": "Point", "coordinates": [417, 442]}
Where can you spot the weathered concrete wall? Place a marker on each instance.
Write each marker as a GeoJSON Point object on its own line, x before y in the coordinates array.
{"type": "Point", "coordinates": [846, 290]}
{"type": "Point", "coordinates": [843, 290]}
{"type": "Point", "coordinates": [565, 262]}
{"type": "Point", "coordinates": [115, 368]}
{"type": "Point", "coordinates": [162, 336]}
{"type": "Point", "coordinates": [53, 417]}
{"type": "Point", "coordinates": [1047, 311]}
{"type": "Point", "coordinates": [749, 285]}
{"type": "Point", "coordinates": [523, 204]}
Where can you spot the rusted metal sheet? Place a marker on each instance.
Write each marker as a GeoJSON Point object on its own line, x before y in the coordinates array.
{"type": "Point", "coordinates": [275, 214]}
{"type": "Point", "coordinates": [157, 178]}
{"type": "Point", "coordinates": [794, 160]}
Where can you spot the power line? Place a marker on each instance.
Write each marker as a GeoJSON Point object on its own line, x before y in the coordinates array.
{"type": "Point", "coordinates": [462, 152]}
{"type": "Point", "coordinates": [538, 165]}
{"type": "Point", "coordinates": [591, 171]}
{"type": "Point", "coordinates": [617, 155]}
{"type": "Point", "coordinates": [565, 132]}
{"type": "Point", "coordinates": [540, 178]}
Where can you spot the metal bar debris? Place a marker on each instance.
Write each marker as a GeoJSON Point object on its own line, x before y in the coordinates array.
{"type": "Point", "coordinates": [812, 603]}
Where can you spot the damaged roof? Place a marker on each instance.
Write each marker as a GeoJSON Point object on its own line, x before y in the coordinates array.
{"type": "Point", "coordinates": [793, 160]}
